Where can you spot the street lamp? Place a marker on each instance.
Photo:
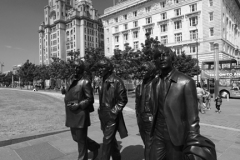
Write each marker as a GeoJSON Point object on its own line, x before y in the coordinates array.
{"type": "Point", "coordinates": [216, 68]}
{"type": "Point", "coordinates": [196, 38]}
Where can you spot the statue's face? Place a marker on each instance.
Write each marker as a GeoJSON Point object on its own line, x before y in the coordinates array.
{"type": "Point", "coordinates": [78, 70]}
{"type": "Point", "coordinates": [146, 71]}
{"type": "Point", "coordinates": [164, 61]}
{"type": "Point", "coordinates": [103, 71]}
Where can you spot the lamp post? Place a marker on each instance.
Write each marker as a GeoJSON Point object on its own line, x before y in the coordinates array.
{"type": "Point", "coordinates": [216, 69]}
{"type": "Point", "coordinates": [196, 38]}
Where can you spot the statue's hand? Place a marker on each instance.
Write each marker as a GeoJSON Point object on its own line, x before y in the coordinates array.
{"type": "Point", "coordinates": [74, 106]}
{"type": "Point", "coordinates": [116, 109]}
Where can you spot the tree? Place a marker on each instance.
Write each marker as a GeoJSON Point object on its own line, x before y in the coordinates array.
{"type": "Point", "coordinates": [126, 62]}
{"type": "Point", "coordinates": [186, 64]}
{"type": "Point", "coordinates": [26, 72]}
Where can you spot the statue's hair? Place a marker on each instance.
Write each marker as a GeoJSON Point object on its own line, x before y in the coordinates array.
{"type": "Point", "coordinates": [80, 64]}
{"type": "Point", "coordinates": [163, 49]}
{"type": "Point", "coordinates": [105, 63]}
{"type": "Point", "coordinates": [149, 66]}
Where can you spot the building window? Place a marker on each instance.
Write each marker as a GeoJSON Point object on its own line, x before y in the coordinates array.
{"type": "Point", "coordinates": [135, 34]}
{"type": "Point", "coordinates": [211, 31]}
{"type": "Point", "coordinates": [116, 29]}
{"type": "Point", "coordinates": [163, 28]}
{"type": "Point", "coordinates": [193, 49]}
{"type": "Point", "coordinates": [117, 47]}
{"type": "Point", "coordinates": [164, 40]}
{"type": "Point", "coordinates": [178, 24]}
{"type": "Point", "coordinates": [193, 35]}
{"type": "Point", "coordinates": [148, 30]}
{"type": "Point", "coordinates": [178, 37]}
{"type": "Point", "coordinates": [125, 26]}
{"type": "Point", "coordinates": [211, 16]}
{"type": "Point", "coordinates": [148, 9]}
{"type": "Point", "coordinates": [125, 37]}
{"type": "Point", "coordinates": [176, 1]}
{"type": "Point", "coordinates": [163, 16]}
{"type": "Point", "coordinates": [177, 12]}
{"type": "Point", "coordinates": [193, 7]}
{"type": "Point", "coordinates": [211, 44]}
{"type": "Point", "coordinates": [116, 20]}
{"type": "Point", "coordinates": [193, 21]}
{"type": "Point", "coordinates": [125, 16]}
{"type": "Point", "coordinates": [148, 20]}
{"type": "Point", "coordinates": [178, 50]}
{"type": "Point", "coordinates": [135, 13]}
{"type": "Point", "coordinates": [135, 45]}
{"type": "Point", "coordinates": [163, 4]}
{"type": "Point", "coordinates": [210, 2]}
{"type": "Point", "coordinates": [135, 23]}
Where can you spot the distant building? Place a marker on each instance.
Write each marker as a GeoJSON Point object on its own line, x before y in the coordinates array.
{"type": "Point", "coordinates": [69, 25]}
{"type": "Point", "coordinates": [192, 26]}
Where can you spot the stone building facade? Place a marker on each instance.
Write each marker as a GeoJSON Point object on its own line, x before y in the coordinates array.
{"type": "Point", "coordinates": [69, 25]}
{"type": "Point", "coordinates": [193, 26]}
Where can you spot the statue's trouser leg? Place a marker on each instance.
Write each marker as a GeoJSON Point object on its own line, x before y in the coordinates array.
{"type": "Point", "coordinates": [110, 145]}
{"type": "Point", "coordinates": [79, 135]}
{"type": "Point", "coordinates": [92, 145]}
{"type": "Point", "coordinates": [145, 129]}
{"type": "Point", "coordinates": [162, 147]}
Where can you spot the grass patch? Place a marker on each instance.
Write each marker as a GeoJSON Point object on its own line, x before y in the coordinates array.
{"type": "Point", "coordinates": [29, 112]}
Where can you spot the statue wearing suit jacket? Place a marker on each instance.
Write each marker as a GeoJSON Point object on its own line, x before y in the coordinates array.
{"type": "Point", "coordinates": [175, 110]}
{"type": "Point", "coordinates": [143, 106]}
{"type": "Point", "coordinates": [78, 105]}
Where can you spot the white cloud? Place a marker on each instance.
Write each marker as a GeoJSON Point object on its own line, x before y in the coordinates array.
{"type": "Point", "coordinates": [11, 47]}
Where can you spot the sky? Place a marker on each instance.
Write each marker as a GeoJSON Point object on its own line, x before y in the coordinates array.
{"type": "Point", "coordinates": [19, 22]}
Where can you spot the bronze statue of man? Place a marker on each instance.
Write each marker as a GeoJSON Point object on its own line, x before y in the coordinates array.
{"type": "Point", "coordinates": [78, 105]}
{"type": "Point", "coordinates": [175, 114]}
{"type": "Point", "coordinates": [143, 106]}
{"type": "Point", "coordinates": [112, 99]}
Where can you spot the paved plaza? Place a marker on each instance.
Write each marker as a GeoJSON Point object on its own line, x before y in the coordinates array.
{"type": "Point", "coordinates": [223, 129]}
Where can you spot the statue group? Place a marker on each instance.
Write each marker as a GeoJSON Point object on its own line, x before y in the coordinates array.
{"type": "Point", "coordinates": [166, 111]}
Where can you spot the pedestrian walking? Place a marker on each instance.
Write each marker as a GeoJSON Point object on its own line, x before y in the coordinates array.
{"type": "Point", "coordinates": [218, 103]}
{"type": "Point", "coordinates": [200, 93]}
{"type": "Point", "coordinates": [207, 98]}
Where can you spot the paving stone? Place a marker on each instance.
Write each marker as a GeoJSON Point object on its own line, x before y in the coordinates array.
{"type": "Point", "coordinates": [8, 154]}
{"type": "Point", "coordinates": [18, 145]}
{"type": "Point", "coordinates": [43, 139]}
{"type": "Point", "coordinates": [221, 148]}
{"type": "Point", "coordinates": [66, 146]}
{"type": "Point", "coordinates": [229, 156]}
{"type": "Point", "coordinates": [234, 150]}
{"type": "Point", "coordinates": [72, 156]}
{"type": "Point", "coordinates": [64, 135]}
{"type": "Point", "coordinates": [42, 151]}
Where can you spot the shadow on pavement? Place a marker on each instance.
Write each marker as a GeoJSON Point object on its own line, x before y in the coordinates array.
{"type": "Point", "coordinates": [133, 152]}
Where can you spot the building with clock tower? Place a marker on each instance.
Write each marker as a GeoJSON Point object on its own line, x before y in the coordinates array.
{"type": "Point", "coordinates": [69, 25]}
